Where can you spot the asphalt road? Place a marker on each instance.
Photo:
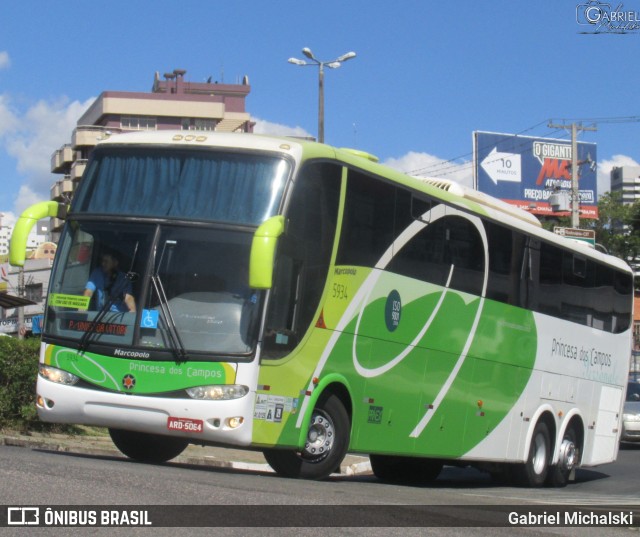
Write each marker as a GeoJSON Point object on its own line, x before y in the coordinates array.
{"type": "Point", "coordinates": [46, 478]}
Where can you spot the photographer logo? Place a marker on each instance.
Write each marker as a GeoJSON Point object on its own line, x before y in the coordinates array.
{"type": "Point", "coordinates": [595, 17]}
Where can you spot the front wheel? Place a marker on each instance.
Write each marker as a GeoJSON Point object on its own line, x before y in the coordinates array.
{"type": "Point", "coordinates": [534, 472]}
{"type": "Point", "coordinates": [145, 447]}
{"type": "Point", "coordinates": [326, 445]}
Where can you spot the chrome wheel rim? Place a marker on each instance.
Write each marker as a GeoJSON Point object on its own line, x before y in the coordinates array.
{"type": "Point", "coordinates": [320, 437]}
{"type": "Point", "coordinates": [539, 454]}
{"type": "Point", "coordinates": [568, 454]}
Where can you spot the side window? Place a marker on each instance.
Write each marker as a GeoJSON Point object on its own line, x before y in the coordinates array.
{"type": "Point", "coordinates": [622, 290]}
{"type": "Point", "coordinates": [578, 289]}
{"type": "Point", "coordinates": [304, 254]}
{"type": "Point", "coordinates": [550, 289]}
{"type": "Point", "coordinates": [506, 251]}
{"type": "Point", "coordinates": [423, 257]}
{"type": "Point", "coordinates": [466, 254]}
{"type": "Point", "coordinates": [448, 241]}
{"type": "Point", "coordinates": [367, 228]}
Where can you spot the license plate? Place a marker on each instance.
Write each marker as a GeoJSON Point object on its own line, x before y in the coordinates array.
{"type": "Point", "coordinates": [186, 425]}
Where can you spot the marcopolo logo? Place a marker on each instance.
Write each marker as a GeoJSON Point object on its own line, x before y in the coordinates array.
{"type": "Point", "coordinates": [599, 17]}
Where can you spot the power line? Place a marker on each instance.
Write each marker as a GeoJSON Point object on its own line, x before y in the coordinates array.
{"type": "Point", "coordinates": [441, 168]}
{"type": "Point", "coordinates": [619, 119]}
{"type": "Point", "coordinates": [451, 161]}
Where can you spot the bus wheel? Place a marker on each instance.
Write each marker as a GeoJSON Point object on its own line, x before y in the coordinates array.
{"type": "Point", "coordinates": [567, 459]}
{"type": "Point", "coordinates": [326, 445]}
{"type": "Point", "coordinates": [411, 470]}
{"type": "Point", "coordinates": [534, 472]}
{"type": "Point", "coordinates": [145, 447]}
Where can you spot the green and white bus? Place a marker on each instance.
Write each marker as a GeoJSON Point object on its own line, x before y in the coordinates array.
{"type": "Point", "coordinates": [305, 301]}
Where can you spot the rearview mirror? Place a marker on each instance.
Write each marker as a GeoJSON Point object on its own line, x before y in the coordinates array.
{"type": "Point", "coordinates": [263, 252]}
{"type": "Point", "coordinates": [24, 224]}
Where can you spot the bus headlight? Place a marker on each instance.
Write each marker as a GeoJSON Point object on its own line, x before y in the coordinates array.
{"type": "Point", "coordinates": [57, 375]}
{"type": "Point", "coordinates": [218, 392]}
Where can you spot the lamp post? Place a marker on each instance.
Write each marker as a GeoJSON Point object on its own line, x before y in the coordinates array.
{"type": "Point", "coordinates": [333, 64]}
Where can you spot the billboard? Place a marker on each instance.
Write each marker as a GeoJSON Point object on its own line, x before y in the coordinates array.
{"type": "Point", "coordinates": [524, 171]}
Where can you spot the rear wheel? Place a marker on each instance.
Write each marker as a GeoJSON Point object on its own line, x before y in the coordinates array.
{"type": "Point", "coordinates": [145, 447]}
{"type": "Point", "coordinates": [326, 445]}
{"type": "Point", "coordinates": [534, 472]}
{"type": "Point", "coordinates": [567, 459]}
{"type": "Point", "coordinates": [412, 470]}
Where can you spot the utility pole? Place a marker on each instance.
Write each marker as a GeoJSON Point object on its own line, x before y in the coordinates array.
{"type": "Point", "coordinates": [575, 189]}
{"type": "Point", "coordinates": [21, 308]}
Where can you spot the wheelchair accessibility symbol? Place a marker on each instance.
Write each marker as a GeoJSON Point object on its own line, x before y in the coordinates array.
{"type": "Point", "coordinates": [149, 319]}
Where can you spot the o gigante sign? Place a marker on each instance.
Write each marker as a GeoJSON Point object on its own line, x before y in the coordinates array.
{"type": "Point", "coordinates": [524, 171]}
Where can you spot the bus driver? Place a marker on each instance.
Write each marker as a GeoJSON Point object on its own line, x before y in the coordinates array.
{"type": "Point", "coordinates": [108, 280]}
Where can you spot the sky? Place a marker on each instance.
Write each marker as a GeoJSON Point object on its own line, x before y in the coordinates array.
{"type": "Point", "coordinates": [426, 75]}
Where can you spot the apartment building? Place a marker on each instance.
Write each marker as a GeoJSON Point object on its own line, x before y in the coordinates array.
{"type": "Point", "coordinates": [626, 180]}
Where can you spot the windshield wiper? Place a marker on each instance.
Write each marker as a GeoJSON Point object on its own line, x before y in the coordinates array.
{"type": "Point", "coordinates": [174, 335]}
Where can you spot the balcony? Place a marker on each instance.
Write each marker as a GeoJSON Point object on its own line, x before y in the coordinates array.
{"type": "Point", "coordinates": [77, 169]}
{"type": "Point", "coordinates": [88, 135]}
{"type": "Point", "coordinates": [62, 190]}
{"type": "Point", "coordinates": [62, 159]}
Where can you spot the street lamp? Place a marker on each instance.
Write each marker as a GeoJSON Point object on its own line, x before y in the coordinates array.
{"type": "Point", "coordinates": [333, 64]}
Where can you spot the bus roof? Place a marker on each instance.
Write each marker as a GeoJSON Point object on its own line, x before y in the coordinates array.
{"type": "Point", "coordinates": [449, 191]}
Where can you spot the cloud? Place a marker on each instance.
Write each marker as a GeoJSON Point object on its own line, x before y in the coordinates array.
{"type": "Point", "coordinates": [27, 197]}
{"type": "Point", "coordinates": [605, 167]}
{"type": "Point", "coordinates": [8, 118]}
{"type": "Point", "coordinates": [8, 218]}
{"type": "Point", "coordinates": [5, 61]}
{"type": "Point", "coordinates": [31, 136]}
{"type": "Point", "coordinates": [277, 129]}
{"type": "Point", "coordinates": [426, 165]}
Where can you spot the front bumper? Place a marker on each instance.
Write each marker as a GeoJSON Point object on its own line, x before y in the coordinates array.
{"type": "Point", "coordinates": [59, 403]}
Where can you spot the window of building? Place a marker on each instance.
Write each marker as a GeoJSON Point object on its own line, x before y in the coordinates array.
{"type": "Point", "coordinates": [33, 292]}
{"type": "Point", "coordinates": [138, 123]}
{"type": "Point", "coordinates": [200, 124]}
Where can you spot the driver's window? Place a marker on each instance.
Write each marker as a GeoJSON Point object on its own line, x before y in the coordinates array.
{"type": "Point", "coordinates": [303, 257]}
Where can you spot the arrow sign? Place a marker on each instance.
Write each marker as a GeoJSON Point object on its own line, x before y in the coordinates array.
{"type": "Point", "coordinates": [502, 166]}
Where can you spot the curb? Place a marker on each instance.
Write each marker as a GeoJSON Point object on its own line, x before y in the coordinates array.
{"type": "Point", "coordinates": [356, 468]}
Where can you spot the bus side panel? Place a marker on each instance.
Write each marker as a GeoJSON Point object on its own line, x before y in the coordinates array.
{"type": "Point", "coordinates": [281, 387]}
{"type": "Point", "coordinates": [578, 371]}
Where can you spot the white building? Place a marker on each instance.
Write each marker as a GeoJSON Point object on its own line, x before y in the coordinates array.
{"type": "Point", "coordinates": [626, 180]}
{"type": "Point", "coordinates": [36, 283]}
{"type": "Point", "coordinates": [39, 235]}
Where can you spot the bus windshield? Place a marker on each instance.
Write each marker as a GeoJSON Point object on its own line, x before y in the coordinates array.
{"type": "Point", "coordinates": [179, 291]}
{"type": "Point", "coordinates": [239, 188]}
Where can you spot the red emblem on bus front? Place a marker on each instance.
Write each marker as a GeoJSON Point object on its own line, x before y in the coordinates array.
{"type": "Point", "coordinates": [129, 381]}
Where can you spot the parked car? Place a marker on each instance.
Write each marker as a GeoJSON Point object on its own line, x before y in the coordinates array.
{"type": "Point", "coordinates": [631, 414]}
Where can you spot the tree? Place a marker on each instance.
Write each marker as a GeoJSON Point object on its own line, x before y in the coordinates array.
{"type": "Point", "coordinates": [617, 227]}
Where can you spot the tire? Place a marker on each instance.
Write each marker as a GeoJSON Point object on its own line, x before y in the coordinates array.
{"type": "Point", "coordinates": [558, 475]}
{"type": "Point", "coordinates": [145, 447]}
{"type": "Point", "coordinates": [410, 470]}
{"type": "Point", "coordinates": [533, 473]}
{"type": "Point", "coordinates": [326, 446]}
